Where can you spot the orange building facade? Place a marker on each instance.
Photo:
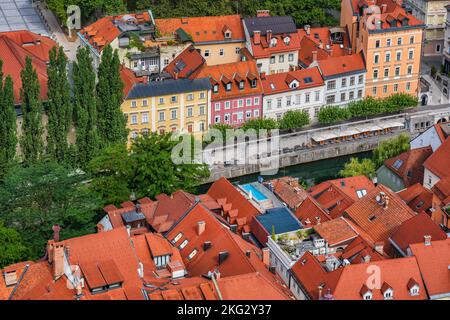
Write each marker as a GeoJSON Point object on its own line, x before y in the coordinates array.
{"type": "Point", "coordinates": [390, 39]}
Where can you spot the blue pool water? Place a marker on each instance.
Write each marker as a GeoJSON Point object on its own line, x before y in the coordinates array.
{"type": "Point", "coordinates": [256, 194]}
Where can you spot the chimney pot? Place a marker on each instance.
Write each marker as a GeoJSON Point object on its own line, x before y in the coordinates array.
{"type": "Point", "coordinates": [58, 261]}
{"type": "Point", "coordinates": [266, 256]}
{"type": "Point", "coordinates": [262, 13]}
{"type": "Point", "coordinates": [379, 247]}
{"type": "Point", "coordinates": [269, 36]}
{"type": "Point", "coordinates": [427, 239]}
{"type": "Point", "coordinates": [314, 56]}
{"type": "Point", "coordinates": [257, 37]}
{"type": "Point", "coordinates": [201, 226]}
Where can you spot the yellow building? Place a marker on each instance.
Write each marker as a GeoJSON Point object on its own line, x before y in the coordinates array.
{"type": "Point", "coordinates": [180, 105]}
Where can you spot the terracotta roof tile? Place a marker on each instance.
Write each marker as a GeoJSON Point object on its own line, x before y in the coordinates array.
{"type": "Point", "coordinates": [187, 64]}
{"type": "Point", "coordinates": [307, 78]}
{"type": "Point", "coordinates": [336, 232]}
{"type": "Point", "coordinates": [439, 161]}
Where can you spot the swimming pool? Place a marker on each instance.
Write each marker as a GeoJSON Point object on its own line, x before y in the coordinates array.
{"type": "Point", "coordinates": [256, 194]}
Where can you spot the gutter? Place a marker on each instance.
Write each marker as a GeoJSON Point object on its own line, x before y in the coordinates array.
{"type": "Point", "coordinates": [213, 278]}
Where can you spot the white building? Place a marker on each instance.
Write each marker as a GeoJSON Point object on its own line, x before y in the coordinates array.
{"type": "Point", "coordinates": [300, 90]}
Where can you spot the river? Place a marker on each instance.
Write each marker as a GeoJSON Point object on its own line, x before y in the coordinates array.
{"type": "Point", "coordinates": [312, 173]}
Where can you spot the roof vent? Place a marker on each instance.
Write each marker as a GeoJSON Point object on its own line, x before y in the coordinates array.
{"type": "Point", "coordinates": [223, 256]}
{"type": "Point", "coordinates": [207, 245]}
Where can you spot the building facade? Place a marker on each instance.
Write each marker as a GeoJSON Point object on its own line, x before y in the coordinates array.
{"type": "Point", "coordinates": [390, 39]}
{"type": "Point", "coordinates": [168, 106]}
{"type": "Point", "coordinates": [446, 59]}
{"type": "Point", "coordinates": [300, 90]}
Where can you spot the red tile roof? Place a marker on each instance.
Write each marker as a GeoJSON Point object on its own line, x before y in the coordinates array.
{"type": "Point", "coordinates": [310, 213]}
{"type": "Point", "coordinates": [415, 229]}
{"type": "Point", "coordinates": [265, 50]}
{"type": "Point", "coordinates": [433, 261]}
{"type": "Point", "coordinates": [280, 82]}
{"type": "Point", "coordinates": [439, 161]}
{"type": "Point", "coordinates": [204, 29]}
{"type": "Point", "coordinates": [361, 249]}
{"type": "Point", "coordinates": [350, 282]}
{"type": "Point", "coordinates": [410, 165]}
{"type": "Point", "coordinates": [442, 190]}
{"type": "Point", "coordinates": [342, 65]}
{"type": "Point", "coordinates": [15, 46]}
{"type": "Point", "coordinates": [289, 191]}
{"type": "Point", "coordinates": [378, 221]}
{"type": "Point", "coordinates": [187, 64]}
{"type": "Point", "coordinates": [419, 198]}
{"type": "Point", "coordinates": [234, 204]}
{"type": "Point", "coordinates": [336, 232]}
{"type": "Point", "coordinates": [129, 79]}
{"type": "Point", "coordinates": [232, 72]}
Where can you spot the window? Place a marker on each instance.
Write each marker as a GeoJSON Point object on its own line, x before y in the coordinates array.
{"type": "Point", "coordinates": [399, 41]}
{"type": "Point", "coordinates": [397, 71]}
{"type": "Point", "coordinates": [331, 85]}
{"type": "Point", "coordinates": [343, 96]}
{"type": "Point", "coordinates": [256, 101]}
{"type": "Point", "coordinates": [411, 40]}
{"type": "Point", "coordinates": [202, 95]}
{"type": "Point", "coordinates": [240, 103]}
{"type": "Point", "coordinates": [190, 112]}
{"type": "Point", "coordinates": [272, 59]}
{"type": "Point", "coordinates": [351, 95]}
{"type": "Point", "coordinates": [368, 295]}
{"type": "Point", "coordinates": [177, 237]}
{"type": "Point", "coordinates": [216, 88]}
{"type": "Point", "coordinates": [377, 43]}
{"type": "Point", "coordinates": [253, 83]}
{"type": "Point", "coordinates": [173, 99]}
{"type": "Point", "coordinates": [408, 86]}
{"type": "Point", "coordinates": [144, 102]}
{"type": "Point", "coordinates": [388, 294]}
{"type": "Point", "coordinates": [248, 114]}
{"type": "Point", "coordinates": [206, 53]}
{"type": "Point", "coordinates": [134, 119]}
{"type": "Point", "coordinates": [237, 50]}
{"type": "Point", "coordinates": [190, 97]}
{"type": "Point", "coordinates": [298, 98]}
{"type": "Point", "coordinates": [133, 104]}
{"type": "Point", "coordinates": [411, 54]}
{"type": "Point", "coordinates": [376, 58]}
{"type": "Point", "coordinates": [184, 244]}
{"type": "Point", "coordinates": [134, 134]}
{"type": "Point", "coordinates": [166, 61]}
{"type": "Point", "coordinates": [288, 101]}
{"type": "Point", "coordinates": [281, 58]}
{"type": "Point", "coordinates": [386, 72]}
{"type": "Point", "coordinates": [192, 254]}
{"type": "Point", "coordinates": [385, 87]}
{"type": "Point", "coordinates": [227, 104]}
{"type": "Point", "coordinates": [331, 99]}
{"type": "Point", "coordinates": [173, 114]}
{"type": "Point", "coordinates": [414, 291]}
{"type": "Point", "coordinates": [248, 102]}
{"type": "Point", "coordinates": [374, 91]}
{"type": "Point", "coordinates": [360, 93]}
{"type": "Point", "coordinates": [269, 104]}
{"type": "Point", "coordinates": [144, 117]}
{"type": "Point", "coordinates": [201, 126]}
{"type": "Point", "coordinates": [352, 81]}
{"type": "Point", "coordinates": [162, 116]}
{"type": "Point", "coordinates": [360, 79]}
{"type": "Point", "coordinates": [291, 57]}
{"type": "Point", "coordinates": [279, 103]}
{"type": "Point", "coordinates": [221, 52]}
{"type": "Point", "coordinates": [256, 113]}
{"type": "Point", "coordinates": [396, 87]}
{"type": "Point", "coordinates": [227, 117]}
{"type": "Point", "coordinates": [161, 101]}
{"type": "Point", "coordinates": [217, 106]}
{"type": "Point", "coordinates": [317, 94]}
{"type": "Point", "coordinates": [399, 55]}
{"type": "Point", "coordinates": [241, 85]}
{"type": "Point", "coordinates": [438, 48]}
{"type": "Point", "coordinates": [228, 87]}
{"type": "Point", "coordinates": [375, 74]}
{"type": "Point", "coordinates": [388, 57]}
{"type": "Point", "coordinates": [410, 69]}
{"type": "Point", "coordinates": [216, 119]}
{"type": "Point", "coordinates": [307, 96]}
{"type": "Point", "coordinates": [201, 110]}
{"type": "Point", "coordinates": [344, 82]}
{"type": "Point", "coordinates": [388, 42]}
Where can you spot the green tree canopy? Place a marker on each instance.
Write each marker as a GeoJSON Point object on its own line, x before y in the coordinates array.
{"type": "Point", "coordinates": [390, 148]}
{"type": "Point", "coordinates": [12, 249]}
{"type": "Point", "coordinates": [358, 167]}
{"type": "Point", "coordinates": [258, 124]}
{"type": "Point", "coordinates": [332, 114]}
{"type": "Point", "coordinates": [34, 198]}
{"type": "Point", "coordinates": [294, 120]}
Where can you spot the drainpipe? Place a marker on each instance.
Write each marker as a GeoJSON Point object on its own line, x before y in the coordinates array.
{"type": "Point", "coordinates": [213, 278]}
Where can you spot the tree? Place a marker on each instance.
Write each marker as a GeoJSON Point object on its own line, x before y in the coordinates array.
{"type": "Point", "coordinates": [111, 120]}
{"type": "Point", "coordinates": [154, 172]}
{"type": "Point", "coordinates": [332, 114]}
{"type": "Point", "coordinates": [8, 127]}
{"type": "Point", "coordinates": [85, 113]}
{"type": "Point", "coordinates": [12, 249]}
{"type": "Point", "coordinates": [258, 124]}
{"type": "Point", "coordinates": [33, 198]}
{"type": "Point", "coordinates": [390, 148]}
{"type": "Point", "coordinates": [59, 107]}
{"type": "Point", "coordinates": [31, 142]}
{"type": "Point", "coordinates": [112, 171]}
{"type": "Point", "coordinates": [294, 120]}
{"type": "Point", "coordinates": [356, 167]}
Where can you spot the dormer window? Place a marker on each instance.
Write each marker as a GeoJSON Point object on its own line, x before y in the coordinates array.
{"type": "Point", "coordinates": [387, 291]}
{"type": "Point", "coordinates": [413, 287]}
{"type": "Point", "coordinates": [216, 88]}
{"type": "Point", "coordinates": [287, 41]}
{"type": "Point", "coordinates": [253, 83]}
{"type": "Point", "coordinates": [241, 85]}
{"type": "Point", "coordinates": [368, 295]}
{"type": "Point", "coordinates": [228, 87]}
{"type": "Point", "coordinates": [177, 237]}
{"type": "Point", "coordinates": [227, 34]}
{"type": "Point", "coordinates": [293, 84]}
{"type": "Point", "coordinates": [273, 42]}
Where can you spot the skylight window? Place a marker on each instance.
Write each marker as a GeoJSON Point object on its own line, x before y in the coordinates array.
{"type": "Point", "coordinates": [272, 86]}
{"type": "Point", "coordinates": [308, 80]}
{"type": "Point", "coordinates": [397, 164]}
{"type": "Point", "coordinates": [192, 254]}
{"type": "Point", "coordinates": [361, 193]}
{"type": "Point", "coordinates": [177, 237]}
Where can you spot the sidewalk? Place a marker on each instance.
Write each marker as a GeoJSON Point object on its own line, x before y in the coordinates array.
{"type": "Point", "coordinates": [437, 97]}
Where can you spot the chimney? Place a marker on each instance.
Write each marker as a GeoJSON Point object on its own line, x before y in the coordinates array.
{"type": "Point", "coordinates": [263, 76]}
{"type": "Point", "coordinates": [266, 256]}
{"type": "Point", "coordinates": [307, 29]}
{"type": "Point", "coordinates": [50, 250]}
{"type": "Point", "coordinates": [201, 226]}
{"type": "Point", "coordinates": [129, 230]}
{"type": "Point", "coordinates": [262, 13]}
{"type": "Point", "coordinates": [58, 261]}
{"type": "Point", "coordinates": [386, 202]}
{"type": "Point", "coordinates": [56, 228]}
{"type": "Point", "coordinates": [184, 20]}
{"type": "Point", "coordinates": [320, 44]}
{"type": "Point", "coordinates": [314, 56]}
{"type": "Point", "coordinates": [206, 245]}
{"type": "Point", "coordinates": [248, 253]}
{"type": "Point", "coordinates": [367, 258]}
{"type": "Point", "coordinates": [379, 247]}
{"type": "Point", "coordinates": [217, 274]}
{"type": "Point", "coordinates": [257, 37]}
{"type": "Point", "coordinates": [175, 75]}
{"type": "Point", "coordinates": [223, 256]}
{"type": "Point", "coordinates": [320, 292]}
{"type": "Point", "coordinates": [383, 8]}
{"type": "Point", "coordinates": [269, 36]}
{"type": "Point", "coordinates": [427, 239]}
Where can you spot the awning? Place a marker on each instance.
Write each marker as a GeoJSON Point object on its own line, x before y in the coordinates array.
{"type": "Point", "coordinates": [324, 136]}
{"type": "Point", "coordinates": [349, 132]}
